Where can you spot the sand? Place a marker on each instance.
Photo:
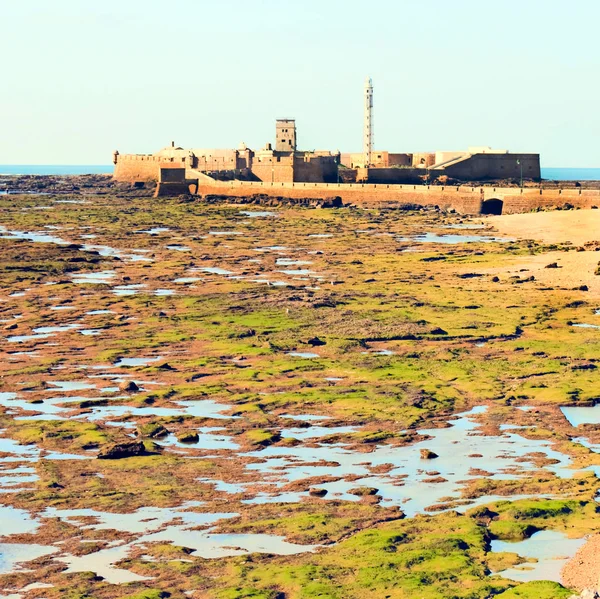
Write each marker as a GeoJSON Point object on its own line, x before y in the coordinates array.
{"type": "Point", "coordinates": [574, 268]}
{"type": "Point", "coordinates": [583, 571]}
{"type": "Point", "coordinates": [576, 226]}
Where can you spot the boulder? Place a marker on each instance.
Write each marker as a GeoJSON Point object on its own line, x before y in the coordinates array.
{"type": "Point", "coordinates": [188, 437]}
{"type": "Point", "coordinates": [427, 454]}
{"type": "Point", "coordinates": [118, 451]}
{"type": "Point", "coordinates": [128, 387]}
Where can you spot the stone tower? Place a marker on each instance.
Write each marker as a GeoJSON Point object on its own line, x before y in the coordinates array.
{"type": "Point", "coordinates": [285, 135]}
{"type": "Point", "coordinates": [368, 125]}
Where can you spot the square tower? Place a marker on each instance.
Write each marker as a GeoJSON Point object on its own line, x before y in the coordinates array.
{"type": "Point", "coordinates": [285, 135]}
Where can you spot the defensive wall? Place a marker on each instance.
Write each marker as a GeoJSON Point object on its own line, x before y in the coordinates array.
{"type": "Point", "coordinates": [142, 167]}
{"type": "Point", "coordinates": [463, 199]}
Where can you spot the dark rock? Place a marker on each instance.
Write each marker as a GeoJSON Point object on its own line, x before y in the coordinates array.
{"type": "Point", "coordinates": [166, 366]}
{"type": "Point", "coordinates": [315, 342]}
{"type": "Point", "coordinates": [438, 331]}
{"type": "Point", "coordinates": [363, 491]}
{"type": "Point", "coordinates": [118, 451]}
{"type": "Point", "coordinates": [154, 430]}
{"type": "Point", "coordinates": [317, 492]}
{"type": "Point", "coordinates": [128, 387]}
{"type": "Point", "coordinates": [188, 437]}
{"type": "Point", "coordinates": [427, 454]}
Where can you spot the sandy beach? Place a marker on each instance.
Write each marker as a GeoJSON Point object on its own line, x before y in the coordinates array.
{"type": "Point", "coordinates": [576, 226]}
{"type": "Point", "coordinates": [574, 268]}
{"type": "Point", "coordinates": [583, 571]}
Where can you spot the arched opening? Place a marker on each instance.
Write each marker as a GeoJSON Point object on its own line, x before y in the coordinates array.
{"type": "Point", "coordinates": [493, 206]}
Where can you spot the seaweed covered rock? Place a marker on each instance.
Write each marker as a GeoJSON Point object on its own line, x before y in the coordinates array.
{"type": "Point", "coordinates": [118, 451]}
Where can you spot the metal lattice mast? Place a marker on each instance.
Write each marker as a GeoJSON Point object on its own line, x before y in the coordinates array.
{"type": "Point", "coordinates": [368, 125]}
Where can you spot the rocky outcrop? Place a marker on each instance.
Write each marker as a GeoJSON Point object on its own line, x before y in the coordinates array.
{"type": "Point", "coordinates": [265, 200]}
{"type": "Point", "coordinates": [118, 451]}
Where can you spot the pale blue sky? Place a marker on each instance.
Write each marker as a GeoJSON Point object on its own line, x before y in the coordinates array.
{"type": "Point", "coordinates": [81, 78]}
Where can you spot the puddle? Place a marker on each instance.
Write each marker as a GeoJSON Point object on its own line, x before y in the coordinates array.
{"type": "Point", "coordinates": [98, 312]}
{"type": "Point", "coordinates": [298, 272]}
{"type": "Point", "coordinates": [305, 417]}
{"type": "Point", "coordinates": [464, 226]}
{"type": "Point", "coordinates": [103, 277]}
{"type": "Point", "coordinates": [101, 563]}
{"type": "Point", "coordinates": [26, 338]}
{"type": "Point", "coordinates": [585, 325]}
{"type": "Point", "coordinates": [127, 289]}
{"type": "Point", "coordinates": [165, 525]}
{"type": "Point", "coordinates": [187, 280]}
{"type": "Point", "coordinates": [55, 329]}
{"type": "Point", "coordinates": [43, 237]}
{"type": "Point", "coordinates": [136, 361]}
{"type": "Point", "coordinates": [208, 438]}
{"type": "Point", "coordinates": [582, 414]}
{"type": "Point", "coordinates": [258, 213]}
{"type": "Point", "coordinates": [225, 233]}
{"type": "Point", "coordinates": [15, 521]}
{"type": "Point", "coordinates": [453, 239]}
{"type": "Point", "coordinates": [179, 248]}
{"type": "Point", "coordinates": [303, 354]}
{"type": "Point", "coordinates": [271, 248]}
{"type": "Point", "coordinates": [13, 555]}
{"type": "Point", "coordinates": [552, 550]}
{"type": "Point", "coordinates": [315, 432]}
{"type": "Point", "coordinates": [165, 292]}
{"type": "Point", "coordinates": [154, 230]}
{"type": "Point", "coordinates": [292, 262]}
{"type": "Point", "coordinates": [70, 386]}
{"type": "Point", "coordinates": [408, 484]}
{"type": "Point", "coordinates": [215, 270]}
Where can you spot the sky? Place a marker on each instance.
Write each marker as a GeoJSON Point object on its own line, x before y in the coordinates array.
{"type": "Point", "coordinates": [82, 78]}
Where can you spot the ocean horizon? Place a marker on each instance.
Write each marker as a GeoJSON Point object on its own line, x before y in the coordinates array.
{"type": "Point", "coordinates": [548, 173]}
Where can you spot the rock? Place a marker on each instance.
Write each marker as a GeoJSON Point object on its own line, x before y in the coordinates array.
{"type": "Point", "coordinates": [118, 451]}
{"type": "Point", "coordinates": [317, 492]}
{"type": "Point", "coordinates": [363, 491]}
{"type": "Point", "coordinates": [154, 430]}
{"type": "Point", "coordinates": [427, 454]}
{"type": "Point", "coordinates": [438, 331]}
{"type": "Point", "coordinates": [315, 342]}
{"type": "Point", "coordinates": [11, 327]}
{"type": "Point", "coordinates": [166, 366]}
{"type": "Point", "coordinates": [552, 265]}
{"type": "Point", "coordinates": [188, 437]}
{"type": "Point", "coordinates": [332, 202]}
{"type": "Point", "coordinates": [128, 387]}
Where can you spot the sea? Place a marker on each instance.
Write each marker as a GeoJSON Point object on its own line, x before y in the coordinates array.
{"type": "Point", "coordinates": [555, 174]}
{"type": "Point", "coordinates": [56, 169]}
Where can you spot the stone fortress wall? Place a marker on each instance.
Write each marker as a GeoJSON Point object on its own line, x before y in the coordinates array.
{"type": "Point", "coordinates": [463, 199]}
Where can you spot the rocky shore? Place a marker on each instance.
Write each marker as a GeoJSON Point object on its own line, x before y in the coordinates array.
{"type": "Point", "coordinates": [70, 185]}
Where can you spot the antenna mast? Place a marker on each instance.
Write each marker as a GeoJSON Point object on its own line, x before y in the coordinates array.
{"type": "Point", "coordinates": [368, 125]}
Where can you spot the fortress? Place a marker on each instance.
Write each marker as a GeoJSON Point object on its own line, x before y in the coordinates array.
{"type": "Point", "coordinates": [368, 178]}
